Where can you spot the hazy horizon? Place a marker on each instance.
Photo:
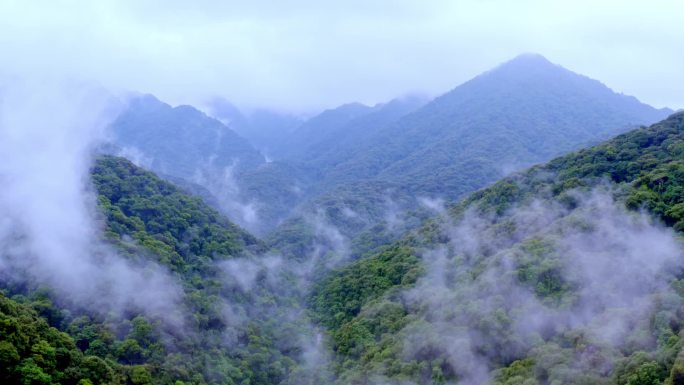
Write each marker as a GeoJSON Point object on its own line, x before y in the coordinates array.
{"type": "Point", "coordinates": [301, 57]}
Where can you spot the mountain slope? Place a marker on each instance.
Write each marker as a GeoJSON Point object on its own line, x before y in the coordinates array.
{"type": "Point", "coordinates": [216, 333]}
{"type": "Point", "coordinates": [266, 130]}
{"type": "Point", "coordinates": [544, 277]}
{"type": "Point", "coordinates": [179, 141]}
{"type": "Point", "coordinates": [522, 112]}
{"type": "Point", "coordinates": [334, 134]}
{"type": "Point", "coordinates": [33, 352]}
{"type": "Point", "coordinates": [186, 146]}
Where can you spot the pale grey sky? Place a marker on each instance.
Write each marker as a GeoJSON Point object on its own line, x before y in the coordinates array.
{"type": "Point", "coordinates": [303, 55]}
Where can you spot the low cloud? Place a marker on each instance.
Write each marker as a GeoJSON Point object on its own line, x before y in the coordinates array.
{"type": "Point", "coordinates": [514, 286]}
{"type": "Point", "coordinates": [49, 232]}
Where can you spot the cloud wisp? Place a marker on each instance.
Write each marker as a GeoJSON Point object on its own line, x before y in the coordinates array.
{"type": "Point", "coordinates": [50, 232]}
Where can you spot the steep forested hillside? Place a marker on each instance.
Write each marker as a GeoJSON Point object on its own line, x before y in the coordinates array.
{"type": "Point", "coordinates": [334, 135]}
{"type": "Point", "coordinates": [555, 275]}
{"type": "Point", "coordinates": [523, 112]}
{"type": "Point", "coordinates": [33, 352]}
{"type": "Point", "coordinates": [179, 141]}
{"type": "Point", "coordinates": [220, 333]}
{"type": "Point", "coordinates": [520, 113]}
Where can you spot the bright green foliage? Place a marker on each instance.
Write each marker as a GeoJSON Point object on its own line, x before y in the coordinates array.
{"type": "Point", "coordinates": [147, 218]}
{"type": "Point", "coordinates": [345, 292]}
{"type": "Point", "coordinates": [645, 168]}
{"type": "Point", "coordinates": [181, 230]}
{"type": "Point", "coordinates": [517, 373]}
{"type": "Point", "coordinates": [32, 352]}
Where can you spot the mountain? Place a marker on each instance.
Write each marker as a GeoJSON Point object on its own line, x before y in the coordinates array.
{"type": "Point", "coordinates": [569, 272]}
{"type": "Point", "coordinates": [186, 146]}
{"type": "Point", "coordinates": [517, 114]}
{"type": "Point", "coordinates": [266, 130]}
{"type": "Point", "coordinates": [150, 222]}
{"type": "Point", "coordinates": [323, 124]}
{"type": "Point", "coordinates": [522, 112]}
{"type": "Point", "coordinates": [335, 134]}
{"type": "Point", "coordinates": [179, 141]}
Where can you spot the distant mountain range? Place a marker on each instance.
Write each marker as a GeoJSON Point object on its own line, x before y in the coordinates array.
{"type": "Point", "coordinates": [522, 112]}
{"type": "Point", "coordinates": [180, 141]}
{"type": "Point", "coordinates": [526, 281]}
{"type": "Point", "coordinates": [393, 250]}
{"type": "Point", "coordinates": [266, 130]}
{"type": "Point", "coordinates": [519, 113]}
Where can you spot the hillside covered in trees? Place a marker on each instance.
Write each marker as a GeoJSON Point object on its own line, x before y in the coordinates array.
{"type": "Point", "coordinates": [523, 112]}
{"type": "Point", "coordinates": [567, 272]}
{"type": "Point", "coordinates": [341, 193]}
{"type": "Point", "coordinates": [377, 165]}
{"type": "Point", "coordinates": [216, 334]}
{"type": "Point", "coordinates": [570, 272]}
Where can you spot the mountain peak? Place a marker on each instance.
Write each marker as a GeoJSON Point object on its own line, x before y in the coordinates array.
{"type": "Point", "coordinates": [527, 62]}
{"type": "Point", "coordinates": [530, 57]}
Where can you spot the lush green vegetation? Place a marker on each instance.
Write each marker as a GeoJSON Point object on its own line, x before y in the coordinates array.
{"type": "Point", "coordinates": [365, 307]}
{"type": "Point", "coordinates": [147, 218]}
{"type": "Point", "coordinates": [181, 230]}
{"type": "Point", "coordinates": [402, 309]}
{"type": "Point", "coordinates": [33, 352]}
{"type": "Point", "coordinates": [521, 113]}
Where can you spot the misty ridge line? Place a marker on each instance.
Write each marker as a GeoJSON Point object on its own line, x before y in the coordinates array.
{"type": "Point", "coordinates": [60, 241]}
{"type": "Point", "coordinates": [52, 233]}
{"type": "Point", "coordinates": [253, 193]}
{"type": "Point", "coordinates": [473, 310]}
{"type": "Point", "coordinates": [292, 165]}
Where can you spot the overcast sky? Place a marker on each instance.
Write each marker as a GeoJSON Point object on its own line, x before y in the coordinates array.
{"type": "Point", "coordinates": [303, 55]}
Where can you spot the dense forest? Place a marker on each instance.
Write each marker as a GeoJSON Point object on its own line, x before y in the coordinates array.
{"type": "Point", "coordinates": [523, 253]}
{"type": "Point", "coordinates": [388, 313]}
{"type": "Point", "coordinates": [411, 242]}
{"type": "Point", "coordinates": [51, 340]}
{"type": "Point", "coordinates": [522, 112]}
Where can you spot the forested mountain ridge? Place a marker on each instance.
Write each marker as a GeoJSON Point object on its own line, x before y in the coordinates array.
{"type": "Point", "coordinates": [551, 276]}
{"type": "Point", "coordinates": [184, 143]}
{"type": "Point", "coordinates": [332, 136]}
{"type": "Point", "coordinates": [266, 130]}
{"type": "Point", "coordinates": [179, 141]}
{"type": "Point", "coordinates": [217, 333]}
{"type": "Point", "coordinates": [524, 111]}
